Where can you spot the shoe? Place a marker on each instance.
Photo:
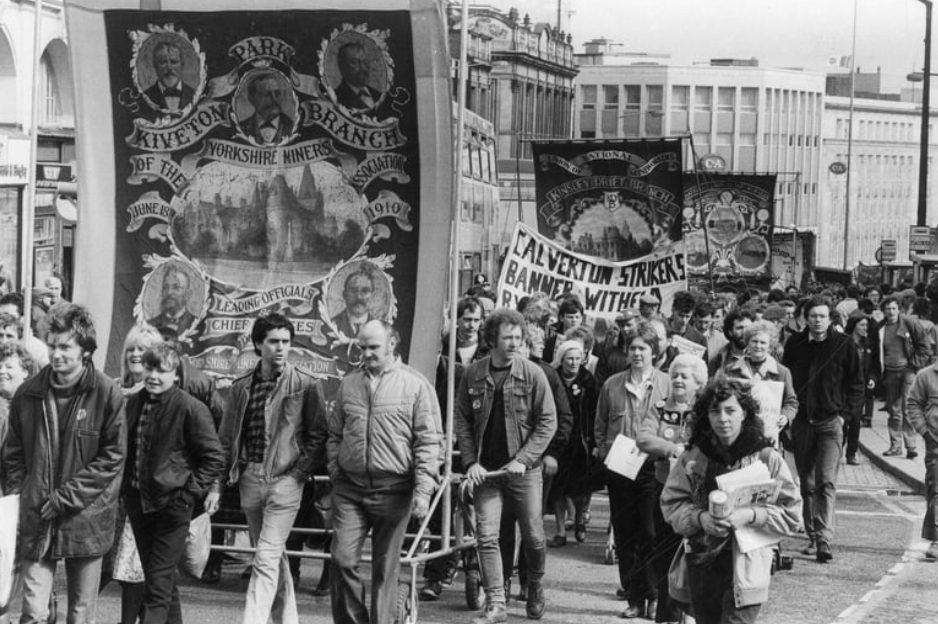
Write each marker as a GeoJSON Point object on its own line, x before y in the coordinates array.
{"type": "Point", "coordinates": [492, 614]}
{"type": "Point", "coordinates": [867, 423]}
{"type": "Point", "coordinates": [852, 460]}
{"type": "Point", "coordinates": [431, 591]}
{"type": "Point", "coordinates": [650, 609]}
{"type": "Point", "coordinates": [824, 553]}
{"type": "Point", "coordinates": [558, 541]}
{"type": "Point", "coordinates": [893, 452]}
{"type": "Point", "coordinates": [579, 532]}
{"type": "Point", "coordinates": [932, 553]}
{"type": "Point", "coordinates": [568, 525]}
{"type": "Point", "coordinates": [911, 454]}
{"type": "Point", "coordinates": [810, 549]}
{"type": "Point", "coordinates": [212, 573]}
{"type": "Point", "coordinates": [536, 604]}
{"type": "Point", "coordinates": [587, 516]}
{"type": "Point", "coordinates": [634, 610]}
{"type": "Point", "coordinates": [450, 575]}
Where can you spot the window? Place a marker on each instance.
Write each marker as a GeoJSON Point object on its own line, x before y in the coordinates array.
{"type": "Point", "coordinates": [680, 98]}
{"type": "Point", "coordinates": [726, 99]}
{"type": "Point", "coordinates": [655, 96]}
{"type": "Point", "coordinates": [633, 97]}
{"type": "Point", "coordinates": [748, 100]}
{"type": "Point", "coordinates": [588, 93]}
{"type": "Point", "coordinates": [49, 95]}
{"type": "Point", "coordinates": [703, 99]}
{"type": "Point", "coordinates": [610, 96]}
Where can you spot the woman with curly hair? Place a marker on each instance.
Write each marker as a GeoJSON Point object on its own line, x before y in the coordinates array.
{"type": "Point", "coordinates": [725, 584]}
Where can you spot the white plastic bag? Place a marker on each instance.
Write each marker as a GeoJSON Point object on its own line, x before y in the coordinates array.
{"type": "Point", "coordinates": [9, 518]}
{"type": "Point", "coordinates": [198, 547]}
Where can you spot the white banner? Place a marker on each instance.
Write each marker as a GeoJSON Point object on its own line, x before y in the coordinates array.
{"type": "Point", "coordinates": [535, 264]}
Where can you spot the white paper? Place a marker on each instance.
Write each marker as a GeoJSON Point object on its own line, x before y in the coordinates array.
{"type": "Point", "coordinates": [750, 538]}
{"type": "Point", "coordinates": [624, 458]}
{"type": "Point", "coordinates": [769, 394]}
{"type": "Point", "coordinates": [688, 346]}
{"type": "Point", "coordinates": [9, 517]}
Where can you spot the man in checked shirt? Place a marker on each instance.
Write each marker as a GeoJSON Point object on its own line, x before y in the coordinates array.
{"type": "Point", "coordinates": [273, 438]}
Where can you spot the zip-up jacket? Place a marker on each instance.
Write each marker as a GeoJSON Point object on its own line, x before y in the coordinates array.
{"type": "Point", "coordinates": [530, 413]}
{"type": "Point", "coordinates": [295, 416]}
{"type": "Point", "coordinates": [914, 340]}
{"type": "Point", "coordinates": [185, 454]}
{"type": "Point", "coordinates": [387, 434]}
{"type": "Point", "coordinates": [78, 472]}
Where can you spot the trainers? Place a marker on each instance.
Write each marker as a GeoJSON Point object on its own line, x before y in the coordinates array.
{"type": "Point", "coordinates": [893, 452]}
{"type": "Point", "coordinates": [492, 614]}
{"type": "Point", "coordinates": [932, 553]}
{"type": "Point", "coordinates": [431, 590]}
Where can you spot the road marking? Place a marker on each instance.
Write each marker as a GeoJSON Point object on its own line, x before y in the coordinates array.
{"type": "Point", "coordinates": [898, 513]}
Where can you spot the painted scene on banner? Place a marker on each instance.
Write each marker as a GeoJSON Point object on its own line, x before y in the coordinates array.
{"type": "Point", "coordinates": [614, 200]}
{"type": "Point", "coordinates": [536, 264]}
{"type": "Point", "coordinates": [269, 165]}
{"type": "Point", "coordinates": [728, 230]}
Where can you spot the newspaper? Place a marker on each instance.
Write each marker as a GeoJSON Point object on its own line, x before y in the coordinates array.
{"type": "Point", "coordinates": [624, 458]}
{"type": "Point", "coordinates": [751, 486]}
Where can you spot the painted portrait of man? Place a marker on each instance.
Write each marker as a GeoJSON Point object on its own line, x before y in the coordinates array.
{"type": "Point", "coordinates": [170, 91]}
{"type": "Point", "coordinates": [268, 94]}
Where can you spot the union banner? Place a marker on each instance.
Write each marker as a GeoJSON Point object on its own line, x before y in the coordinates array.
{"type": "Point", "coordinates": [615, 200]}
{"type": "Point", "coordinates": [241, 162]}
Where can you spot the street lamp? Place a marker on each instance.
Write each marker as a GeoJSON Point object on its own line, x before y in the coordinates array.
{"type": "Point", "coordinates": [926, 75]}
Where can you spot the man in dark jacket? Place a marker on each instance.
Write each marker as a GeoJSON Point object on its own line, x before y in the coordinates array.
{"type": "Point", "coordinates": [64, 456]}
{"type": "Point", "coordinates": [273, 439]}
{"type": "Point", "coordinates": [173, 456]}
{"type": "Point", "coordinates": [828, 380]}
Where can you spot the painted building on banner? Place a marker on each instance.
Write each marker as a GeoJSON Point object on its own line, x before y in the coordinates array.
{"type": "Point", "coordinates": [884, 181]}
{"type": "Point", "coordinates": [527, 87]}
{"type": "Point", "coordinates": [755, 119]}
{"type": "Point", "coordinates": [55, 207]}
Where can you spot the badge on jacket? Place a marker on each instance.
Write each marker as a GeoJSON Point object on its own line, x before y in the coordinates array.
{"type": "Point", "coordinates": [82, 414]}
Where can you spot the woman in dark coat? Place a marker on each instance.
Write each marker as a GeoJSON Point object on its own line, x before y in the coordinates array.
{"type": "Point", "coordinates": [576, 464]}
{"type": "Point", "coordinates": [862, 330]}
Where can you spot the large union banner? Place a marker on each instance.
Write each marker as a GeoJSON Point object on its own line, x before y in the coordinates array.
{"type": "Point", "coordinates": [537, 264]}
{"type": "Point", "coordinates": [728, 229]}
{"type": "Point", "coordinates": [615, 200]}
{"type": "Point", "coordinates": [238, 162]}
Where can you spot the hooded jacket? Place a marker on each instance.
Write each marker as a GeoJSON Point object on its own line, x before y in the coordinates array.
{"type": "Point", "coordinates": [78, 472]}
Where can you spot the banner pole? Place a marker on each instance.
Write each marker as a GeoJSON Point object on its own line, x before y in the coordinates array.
{"type": "Point", "coordinates": [455, 261]}
{"type": "Point", "coordinates": [29, 206]}
{"type": "Point", "coordinates": [703, 217]}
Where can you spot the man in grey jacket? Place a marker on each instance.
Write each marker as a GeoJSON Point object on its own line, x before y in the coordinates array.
{"type": "Point", "coordinates": [384, 459]}
{"type": "Point", "coordinates": [505, 419]}
{"type": "Point", "coordinates": [273, 439]}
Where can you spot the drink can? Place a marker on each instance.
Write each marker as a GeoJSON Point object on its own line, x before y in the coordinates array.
{"type": "Point", "coordinates": [719, 504]}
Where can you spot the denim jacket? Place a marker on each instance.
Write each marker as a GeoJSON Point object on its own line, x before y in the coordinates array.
{"type": "Point", "coordinates": [530, 411]}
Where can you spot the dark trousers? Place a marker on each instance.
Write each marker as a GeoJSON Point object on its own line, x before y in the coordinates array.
{"type": "Point", "coordinates": [161, 539]}
{"type": "Point", "coordinates": [930, 524]}
{"type": "Point", "coordinates": [666, 544]}
{"type": "Point", "coordinates": [852, 427]}
{"type": "Point", "coordinates": [354, 512]}
{"type": "Point", "coordinates": [711, 593]}
{"type": "Point", "coordinates": [632, 506]}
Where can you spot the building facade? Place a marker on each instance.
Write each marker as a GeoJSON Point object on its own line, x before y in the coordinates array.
{"type": "Point", "coordinates": [55, 214]}
{"type": "Point", "coordinates": [529, 94]}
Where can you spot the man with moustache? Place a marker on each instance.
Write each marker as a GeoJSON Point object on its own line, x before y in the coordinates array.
{"type": "Point", "coordinates": [353, 92]}
{"type": "Point", "coordinates": [174, 297]}
{"type": "Point", "coordinates": [269, 125]}
{"type": "Point", "coordinates": [385, 448]}
{"type": "Point", "coordinates": [358, 293]}
{"type": "Point", "coordinates": [734, 329]}
{"type": "Point", "coordinates": [273, 438]}
{"type": "Point", "coordinates": [169, 92]}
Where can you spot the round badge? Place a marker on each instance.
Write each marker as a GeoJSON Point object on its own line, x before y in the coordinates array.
{"type": "Point", "coordinates": [477, 404]}
{"type": "Point", "coordinates": [669, 433]}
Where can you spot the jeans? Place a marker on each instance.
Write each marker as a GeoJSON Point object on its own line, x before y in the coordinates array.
{"type": "Point", "coordinates": [523, 496]}
{"type": "Point", "coordinates": [817, 458]}
{"type": "Point", "coordinates": [270, 506]}
{"type": "Point", "coordinates": [632, 509]}
{"type": "Point", "coordinates": [161, 540]}
{"type": "Point", "coordinates": [83, 575]}
{"type": "Point", "coordinates": [711, 593]}
{"type": "Point", "coordinates": [355, 510]}
{"type": "Point", "coordinates": [930, 524]}
{"type": "Point", "coordinates": [897, 385]}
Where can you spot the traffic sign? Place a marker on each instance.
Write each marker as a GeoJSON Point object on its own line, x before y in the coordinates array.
{"type": "Point", "coordinates": [919, 238]}
{"type": "Point", "coordinates": [890, 249]}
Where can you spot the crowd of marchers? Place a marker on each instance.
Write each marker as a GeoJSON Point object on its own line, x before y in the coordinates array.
{"type": "Point", "coordinates": [111, 471]}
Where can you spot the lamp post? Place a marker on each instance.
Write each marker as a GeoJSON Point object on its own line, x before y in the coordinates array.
{"type": "Point", "coordinates": [922, 215]}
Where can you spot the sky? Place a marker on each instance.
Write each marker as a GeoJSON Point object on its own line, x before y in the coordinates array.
{"type": "Point", "coordinates": [780, 33]}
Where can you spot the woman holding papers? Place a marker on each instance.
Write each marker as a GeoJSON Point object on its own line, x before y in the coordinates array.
{"type": "Point", "coordinates": [663, 435]}
{"type": "Point", "coordinates": [728, 582]}
{"type": "Point", "coordinates": [758, 365]}
{"type": "Point", "coordinates": [624, 401]}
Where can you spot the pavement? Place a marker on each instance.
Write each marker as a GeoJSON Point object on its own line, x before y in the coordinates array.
{"type": "Point", "coordinates": [874, 440]}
